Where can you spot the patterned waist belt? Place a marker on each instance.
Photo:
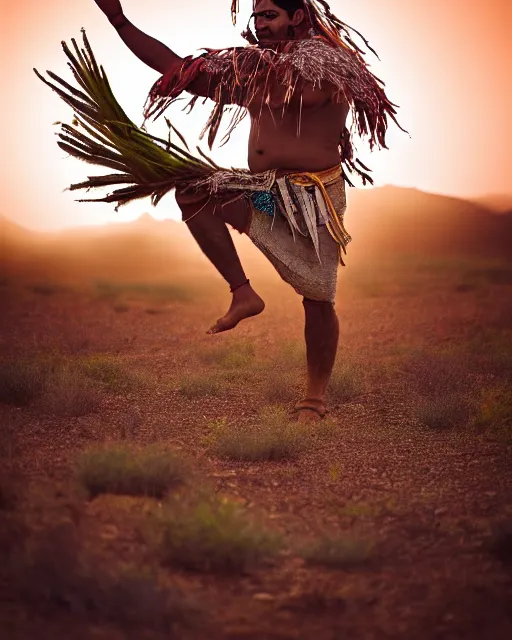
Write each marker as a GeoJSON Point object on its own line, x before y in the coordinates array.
{"type": "Point", "coordinates": [293, 199]}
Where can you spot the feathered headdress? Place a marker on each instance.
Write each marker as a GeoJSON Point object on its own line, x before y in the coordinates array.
{"type": "Point", "coordinates": [322, 21]}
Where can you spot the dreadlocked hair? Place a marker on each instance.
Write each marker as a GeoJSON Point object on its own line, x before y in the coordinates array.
{"type": "Point", "coordinates": [290, 6]}
{"type": "Point", "coordinates": [319, 17]}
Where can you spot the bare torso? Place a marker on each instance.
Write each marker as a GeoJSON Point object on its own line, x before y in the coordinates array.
{"type": "Point", "coordinates": [275, 141]}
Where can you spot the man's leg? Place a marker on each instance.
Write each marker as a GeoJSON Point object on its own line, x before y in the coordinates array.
{"type": "Point", "coordinates": [206, 220]}
{"type": "Point", "coordinates": [322, 333]}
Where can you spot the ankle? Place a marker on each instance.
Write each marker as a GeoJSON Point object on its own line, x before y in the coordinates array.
{"type": "Point", "coordinates": [242, 285]}
{"type": "Point", "coordinates": [317, 396]}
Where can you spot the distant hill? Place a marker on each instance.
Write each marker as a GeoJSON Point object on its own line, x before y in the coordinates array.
{"type": "Point", "coordinates": [383, 221]}
{"type": "Point", "coordinates": [501, 203]}
{"type": "Point", "coordinates": [409, 220]}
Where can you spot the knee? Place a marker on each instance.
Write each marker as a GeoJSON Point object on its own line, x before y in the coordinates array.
{"type": "Point", "coordinates": [309, 302]}
{"type": "Point", "coordinates": [189, 203]}
{"type": "Point", "coordinates": [188, 196]}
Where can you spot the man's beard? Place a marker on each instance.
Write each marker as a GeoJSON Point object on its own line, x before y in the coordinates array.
{"type": "Point", "coordinates": [268, 39]}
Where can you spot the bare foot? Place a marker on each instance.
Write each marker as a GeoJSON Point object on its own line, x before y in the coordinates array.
{"type": "Point", "coordinates": [310, 410]}
{"type": "Point", "coordinates": [245, 304]}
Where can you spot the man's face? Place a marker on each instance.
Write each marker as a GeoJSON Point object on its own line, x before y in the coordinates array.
{"type": "Point", "coordinates": [273, 23]}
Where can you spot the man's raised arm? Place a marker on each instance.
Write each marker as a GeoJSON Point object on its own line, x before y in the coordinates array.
{"type": "Point", "coordinates": [152, 52]}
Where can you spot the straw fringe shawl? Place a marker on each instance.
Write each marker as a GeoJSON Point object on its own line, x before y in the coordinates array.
{"type": "Point", "coordinates": [236, 74]}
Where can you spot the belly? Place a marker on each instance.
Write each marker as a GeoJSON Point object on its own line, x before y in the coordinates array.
{"type": "Point", "coordinates": [299, 157]}
{"type": "Point", "coordinates": [275, 143]}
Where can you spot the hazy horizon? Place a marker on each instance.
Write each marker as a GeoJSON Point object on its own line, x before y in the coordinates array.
{"type": "Point", "coordinates": [480, 201]}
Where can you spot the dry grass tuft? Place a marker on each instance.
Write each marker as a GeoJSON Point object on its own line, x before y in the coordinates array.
{"type": "Point", "coordinates": [197, 385]}
{"type": "Point", "coordinates": [494, 411]}
{"type": "Point", "coordinates": [107, 371]}
{"type": "Point", "coordinates": [121, 469]}
{"type": "Point", "coordinates": [211, 535]}
{"type": "Point", "coordinates": [280, 386]}
{"type": "Point", "coordinates": [443, 411]}
{"type": "Point", "coordinates": [69, 393]}
{"type": "Point", "coordinates": [273, 437]}
{"type": "Point", "coordinates": [292, 355]}
{"type": "Point", "coordinates": [230, 356]}
{"type": "Point", "coordinates": [52, 574]}
{"type": "Point", "coordinates": [441, 381]}
{"type": "Point", "coordinates": [337, 552]}
{"type": "Point", "coordinates": [347, 381]}
{"type": "Point", "coordinates": [61, 385]}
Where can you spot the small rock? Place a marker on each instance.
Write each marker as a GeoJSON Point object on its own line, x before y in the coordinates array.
{"type": "Point", "coordinates": [223, 474]}
{"type": "Point", "coordinates": [263, 597]}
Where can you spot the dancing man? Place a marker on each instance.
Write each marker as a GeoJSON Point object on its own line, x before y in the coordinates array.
{"type": "Point", "coordinates": [297, 79]}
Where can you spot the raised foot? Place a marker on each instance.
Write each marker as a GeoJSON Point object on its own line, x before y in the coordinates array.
{"type": "Point", "coordinates": [310, 410]}
{"type": "Point", "coordinates": [246, 303]}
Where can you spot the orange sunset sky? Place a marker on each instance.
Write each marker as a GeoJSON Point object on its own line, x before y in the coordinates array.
{"type": "Point", "coordinates": [447, 63]}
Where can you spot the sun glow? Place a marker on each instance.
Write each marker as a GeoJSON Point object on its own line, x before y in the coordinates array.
{"type": "Point", "coordinates": [446, 76]}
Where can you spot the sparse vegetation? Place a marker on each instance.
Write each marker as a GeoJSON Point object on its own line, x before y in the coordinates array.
{"type": "Point", "coordinates": [211, 535]}
{"type": "Point", "coordinates": [108, 372]}
{"type": "Point", "coordinates": [121, 469]}
{"type": "Point", "coordinates": [347, 380]}
{"type": "Point", "coordinates": [445, 410]}
{"type": "Point", "coordinates": [229, 356]}
{"type": "Point", "coordinates": [440, 373]}
{"type": "Point", "coordinates": [494, 411]}
{"type": "Point", "coordinates": [53, 573]}
{"type": "Point", "coordinates": [280, 386]}
{"type": "Point", "coordinates": [60, 385]}
{"type": "Point", "coordinates": [272, 437]}
{"type": "Point", "coordinates": [338, 551]}
{"type": "Point", "coordinates": [69, 393]}
{"type": "Point", "coordinates": [197, 385]}
{"type": "Point", "coordinates": [292, 354]}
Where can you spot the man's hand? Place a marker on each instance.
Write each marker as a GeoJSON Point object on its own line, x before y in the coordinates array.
{"type": "Point", "coordinates": [110, 8]}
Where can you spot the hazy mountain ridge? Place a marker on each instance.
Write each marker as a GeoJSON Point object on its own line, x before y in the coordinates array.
{"type": "Point", "coordinates": [380, 220]}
